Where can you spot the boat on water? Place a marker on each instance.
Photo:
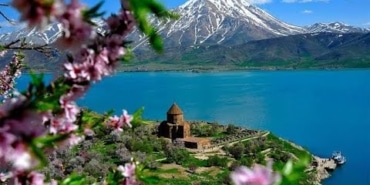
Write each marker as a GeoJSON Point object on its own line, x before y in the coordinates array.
{"type": "Point", "coordinates": [338, 158]}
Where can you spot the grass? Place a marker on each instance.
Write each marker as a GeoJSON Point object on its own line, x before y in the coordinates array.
{"type": "Point", "coordinates": [171, 170]}
{"type": "Point", "coordinates": [287, 146]}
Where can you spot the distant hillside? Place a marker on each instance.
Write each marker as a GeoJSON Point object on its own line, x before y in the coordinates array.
{"type": "Point", "coordinates": [319, 50]}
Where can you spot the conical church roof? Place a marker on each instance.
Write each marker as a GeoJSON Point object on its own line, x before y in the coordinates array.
{"type": "Point", "coordinates": [175, 109]}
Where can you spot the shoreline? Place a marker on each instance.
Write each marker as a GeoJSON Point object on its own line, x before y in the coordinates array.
{"type": "Point", "coordinates": [322, 168]}
{"type": "Point", "coordinates": [239, 70]}
{"type": "Point", "coordinates": [219, 70]}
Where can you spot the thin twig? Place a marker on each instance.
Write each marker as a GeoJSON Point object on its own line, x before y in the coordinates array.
{"type": "Point", "coordinates": [12, 43]}
{"type": "Point", "coordinates": [38, 48]}
{"type": "Point", "coordinates": [7, 18]}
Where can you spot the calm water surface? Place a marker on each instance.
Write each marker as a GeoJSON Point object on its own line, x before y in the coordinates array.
{"type": "Point", "coordinates": [320, 110]}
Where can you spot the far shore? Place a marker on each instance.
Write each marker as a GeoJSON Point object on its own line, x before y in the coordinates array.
{"type": "Point", "coordinates": [217, 70]}
{"type": "Point", "coordinates": [242, 70]}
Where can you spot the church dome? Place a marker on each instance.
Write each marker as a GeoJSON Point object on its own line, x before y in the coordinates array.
{"type": "Point", "coordinates": [174, 110]}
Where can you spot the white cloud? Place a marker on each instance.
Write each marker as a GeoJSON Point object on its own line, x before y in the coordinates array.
{"type": "Point", "coordinates": [259, 1]}
{"type": "Point", "coordinates": [304, 1]}
{"type": "Point", "coordinates": [307, 11]}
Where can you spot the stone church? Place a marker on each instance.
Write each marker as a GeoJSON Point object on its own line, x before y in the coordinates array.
{"type": "Point", "coordinates": [175, 126]}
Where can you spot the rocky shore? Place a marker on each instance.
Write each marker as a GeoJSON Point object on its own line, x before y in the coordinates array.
{"type": "Point", "coordinates": [321, 168]}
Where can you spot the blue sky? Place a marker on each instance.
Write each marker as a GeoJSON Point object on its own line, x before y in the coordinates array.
{"type": "Point", "coordinates": [306, 12]}
{"type": "Point", "coordinates": [297, 12]}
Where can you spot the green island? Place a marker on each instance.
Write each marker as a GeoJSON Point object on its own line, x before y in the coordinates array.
{"type": "Point", "coordinates": [180, 152]}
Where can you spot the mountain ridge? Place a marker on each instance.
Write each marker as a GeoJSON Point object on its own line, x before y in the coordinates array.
{"type": "Point", "coordinates": [224, 33]}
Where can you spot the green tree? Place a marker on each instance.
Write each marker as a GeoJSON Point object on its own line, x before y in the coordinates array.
{"type": "Point", "coordinates": [237, 150]}
{"type": "Point", "coordinates": [176, 154]}
{"type": "Point", "coordinates": [231, 129]}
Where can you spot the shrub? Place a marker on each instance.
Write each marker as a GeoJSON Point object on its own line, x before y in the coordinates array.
{"type": "Point", "coordinates": [217, 161]}
{"type": "Point", "coordinates": [237, 150]}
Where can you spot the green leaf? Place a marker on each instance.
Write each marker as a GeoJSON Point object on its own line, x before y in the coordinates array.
{"type": "Point", "coordinates": [156, 42]}
{"type": "Point", "coordinates": [36, 79]}
{"type": "Point", "coordinates": [93, 12]}
{"type": "Point", "coordinates": [74, 180]}
{"type": "Point", "coordinates": [138, 119]}
{"type": "Point", "coordinates": [37, 151]}
{"type": "Point", "coordinates": [114, 178]}
{"type": "Point", "coordinates": [49, 141]}
{"type": "Point", "coordinates": [44, 106]}
{"type": "Point", "coordinates": [288, 168]}
{"type": "Point", "coordinates": [293, 172]}
{"type": "Point", "coordinates": [142, 9]}
{"type": "Point", "coordinates": [128, 56]}
{"type": "Point", "coordinates": [150, 179]}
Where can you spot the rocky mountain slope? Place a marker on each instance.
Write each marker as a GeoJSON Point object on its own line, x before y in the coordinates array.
{"type": "Point", "coordinates": [226, 22]}
{"type": "Point", "coordinates": [318, 50]}
{"type": "Point", "coordinates": [228, 33]}
{"type": "Point", "coordinates": [335, 27]}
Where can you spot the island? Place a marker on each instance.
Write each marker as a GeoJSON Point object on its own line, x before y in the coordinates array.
{"type": "Point", "coordinates": [178, 151]}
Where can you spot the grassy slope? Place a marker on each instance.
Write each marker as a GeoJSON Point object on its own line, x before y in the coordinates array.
{"type": "Point", "coordinates": [103, 151]}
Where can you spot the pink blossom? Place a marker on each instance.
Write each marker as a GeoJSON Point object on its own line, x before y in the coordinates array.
{"type": "Point", "coordinates": [61, 125]}
{"type": "Point", "coordinates": [128, 171]}
{"type": "Point", "coordinates": [89, 132]}
{"type": "Point", "coordinates": [11, 104]}
{"type": "Point", "coordinates": [76, 32]}
{"type": "Point", "coordinates": [114, 46]}
{"type": "Point", "coordinates": [77, 72]}
{"type": "Point", "coordinates": [3, 52]}
{"type": "Point", "coordinates": [36, 178]}
{"type": "Point", "coordinates": [76, 91]}
{"type": "Point", "coordinates": [113, 22]}
{"type": "Point", "coordinates": [74, 140]}
{"type": "Point", "coordinates": [38, 13]}
{"type": "Point", "coordinates": [126, 118]}
{"type": "Point", "coordinates": [118, 122]}
{"type": "Point", "coordinates": [8, 76]}
{"type": "Point", "coordinates": [53, 182]}
{"type": "Point", "coordinates": [89, 66]}
{"type": "Point", "coordinates": [30, 178]}
{"type": "Point", "coordinates": [5, 176]}
{"type": "Point", "coordinates": [20, 157]}
{"type": "Point", "coordinates": [115, 122]}
{"type": "Point", "coordinates": [99, 67]}
{"type": "Point", "coordinates": [71, 109]}
{"type": "Point", "coordinates": [29, 124]}
{"type": "Point", "coordinates": [6, 141]}
{"type": "Point", "coordinates": [258, 175]}
{"type": "Point", "coordinates": [121, 24]}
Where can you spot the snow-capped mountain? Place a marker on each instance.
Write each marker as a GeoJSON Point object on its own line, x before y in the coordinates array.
{"type": "Point", "coordinates": [221, 22]}
{"type": "Point", "coordinates": [33, 36]}
{"type": "Point", "coordinates": [46, 36]}
{"type": "Point", "coordinates": [335, 27]}
{"type": "Point", "coordinates": [208, 22]}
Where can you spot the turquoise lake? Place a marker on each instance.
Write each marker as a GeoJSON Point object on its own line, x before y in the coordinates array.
{"type": "Point", "coordinates": [322, 111]}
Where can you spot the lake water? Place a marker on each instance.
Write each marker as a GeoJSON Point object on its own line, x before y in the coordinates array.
{"type": "Point", "coordinates": [322, 111]}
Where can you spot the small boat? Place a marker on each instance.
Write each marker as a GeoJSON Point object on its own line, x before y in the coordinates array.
{"type": "Point", "coordinates": [338, 158]}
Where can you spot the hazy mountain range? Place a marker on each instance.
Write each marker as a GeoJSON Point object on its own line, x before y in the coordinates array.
{"type": "Point", "coordinates": [236, 34]}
